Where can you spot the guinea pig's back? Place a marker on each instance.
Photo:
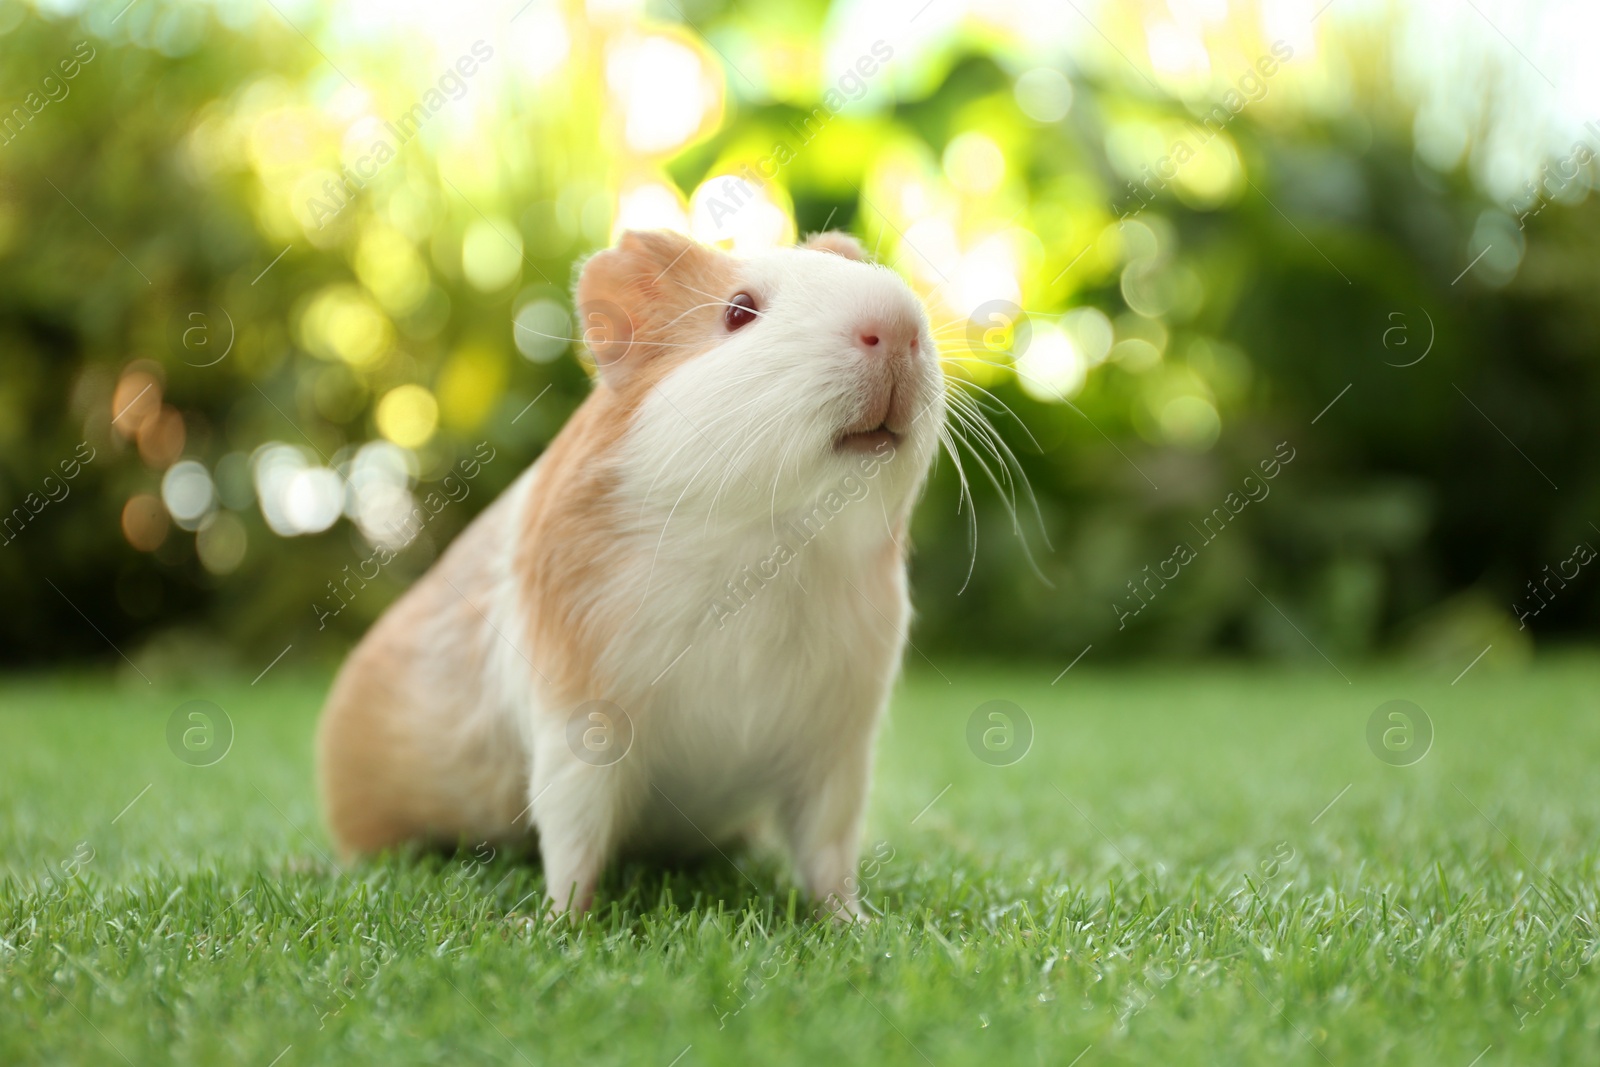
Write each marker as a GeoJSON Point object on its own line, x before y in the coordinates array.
{"type": "Point", "coordinates": [416, 741]}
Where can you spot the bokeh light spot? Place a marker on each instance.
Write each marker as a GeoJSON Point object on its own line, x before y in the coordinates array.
{"type": "Point", "coordinates": [221, 543]}
{"type": "Point", "coordinates": [541, 329]}
{"type": "Point", "coordinates": [341, 323]}
{"type": "Point", "coordinates": [1044, 94]}
{"type": "Point", "coordinates": [1052, 368]}
{"type": "Point", "coordinates": [974, 163]}
{"type": "Point", "coordinates": [188, 492]}
{"type": "Point", "coordinates": [491, 254]}
{"type": "Point", "coordinates": [1190, 422]}
{"type": "Point", "coordinates": [408, 415]}
{"type": "Point", "coordinates": [666, 92]}
{"type": "Point", "coordinates": [144, 522]}
{"type": "Point", "coordinates": [313, 499]}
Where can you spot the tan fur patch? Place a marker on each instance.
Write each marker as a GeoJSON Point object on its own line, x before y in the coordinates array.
{"type": "Point", "coordinates": [403, 750]}
{"type": "Point", "coordinates": [671, 291]}
{"type": "Point", "coordinates": [651, 302]}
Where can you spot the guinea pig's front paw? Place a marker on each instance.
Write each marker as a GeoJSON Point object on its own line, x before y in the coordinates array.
{"type": "Point", "coordinates": [845, 910]}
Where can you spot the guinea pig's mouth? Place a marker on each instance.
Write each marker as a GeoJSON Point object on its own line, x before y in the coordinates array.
{"type": "Point", "coordinates": [867, 440]}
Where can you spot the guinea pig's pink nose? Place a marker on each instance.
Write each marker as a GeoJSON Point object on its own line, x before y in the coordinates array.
{"type": "Point", "coordinates": [888, 336]}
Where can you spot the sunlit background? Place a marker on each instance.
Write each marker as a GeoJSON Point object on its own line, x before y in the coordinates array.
{"type": "Point", "coordinates": [270, 270]}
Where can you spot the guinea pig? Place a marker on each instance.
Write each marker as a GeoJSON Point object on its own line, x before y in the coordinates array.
{"type": "Point", "coordinates": [684, 619]}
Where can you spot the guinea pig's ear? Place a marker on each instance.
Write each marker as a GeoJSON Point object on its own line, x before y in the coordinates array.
{"type": "Point", "coordinates": [627, 295]}
{"type": "Point", "coordinates": [837, 242]}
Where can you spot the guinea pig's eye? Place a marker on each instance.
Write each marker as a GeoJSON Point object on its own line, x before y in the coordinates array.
{"type": "Point", "coordinates": [741, 311]}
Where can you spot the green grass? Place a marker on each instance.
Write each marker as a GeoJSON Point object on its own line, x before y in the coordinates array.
{"type": "Point", "coordinates": [1157, 881]}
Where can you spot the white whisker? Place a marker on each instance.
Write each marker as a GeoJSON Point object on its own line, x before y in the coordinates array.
{"type": "Point", "coordinates": [584, 341]}
{"type": "Point", "coordinates": [968, 414]}
{"type": "Point", "coordinates": [965, 495]}
{"type": "Point", "coordinates": [720, 300]}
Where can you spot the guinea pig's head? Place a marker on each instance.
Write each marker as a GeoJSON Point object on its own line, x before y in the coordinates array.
{"type": "Point", "coordinates": [761, 382]}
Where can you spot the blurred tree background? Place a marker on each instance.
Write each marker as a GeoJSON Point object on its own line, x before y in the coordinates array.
{"type": "Point", "coordinates": [270, 271]}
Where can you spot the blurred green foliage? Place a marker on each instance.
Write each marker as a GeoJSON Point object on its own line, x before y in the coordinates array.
{"type": "Point", "coordinates": [1275, 309]}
